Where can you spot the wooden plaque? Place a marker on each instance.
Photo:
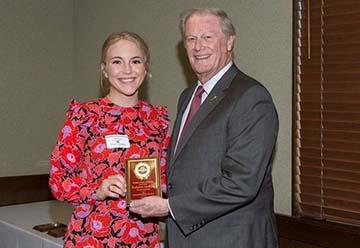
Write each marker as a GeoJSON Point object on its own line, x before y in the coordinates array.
{"type": "Point", "coordinates": [142, 178]}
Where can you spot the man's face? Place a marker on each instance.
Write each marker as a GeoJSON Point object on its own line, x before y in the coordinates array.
{"type": "Point", "coordinates": [207, 47]}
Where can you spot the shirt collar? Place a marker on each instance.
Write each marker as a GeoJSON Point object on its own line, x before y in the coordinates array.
{"type": "Point", "coordinates": [210, 84]}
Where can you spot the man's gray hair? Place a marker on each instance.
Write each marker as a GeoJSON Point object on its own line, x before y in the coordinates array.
{"type": "Point", "coordinates": [226, 24]}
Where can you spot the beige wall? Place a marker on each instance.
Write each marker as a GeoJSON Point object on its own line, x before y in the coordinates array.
{"type": "Point", "coordinates": [263, 50]}
{"type": "Point", "coordinates": [36, 64]}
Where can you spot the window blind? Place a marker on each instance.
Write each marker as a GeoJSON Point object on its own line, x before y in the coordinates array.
{"type": "Point", "coordinates": [327, 110]}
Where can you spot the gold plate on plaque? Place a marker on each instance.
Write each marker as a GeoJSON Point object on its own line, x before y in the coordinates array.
{"type": "Point", "coordinates": [142, 178]}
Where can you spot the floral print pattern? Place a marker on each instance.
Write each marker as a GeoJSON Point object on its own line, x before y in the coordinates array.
{"type": "Point", "coordinates": [81, 161]}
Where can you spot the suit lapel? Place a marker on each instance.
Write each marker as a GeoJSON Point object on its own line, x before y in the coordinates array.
{"type": "Point", "coordinates": [178, 119]}
{"type": "Point", "coordinates": [215, 96]}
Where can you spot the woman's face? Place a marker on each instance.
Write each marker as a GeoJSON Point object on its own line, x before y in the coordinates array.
{"type": "Point", "coordinates": [124, 67]}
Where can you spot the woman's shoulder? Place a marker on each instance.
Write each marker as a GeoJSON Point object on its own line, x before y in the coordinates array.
{"type": "Point", "coordinates": [156, 113]}
{"type": "Point", "coordinates": [160, 110]}
{"type": "Point", "coordinates": [84, 110]}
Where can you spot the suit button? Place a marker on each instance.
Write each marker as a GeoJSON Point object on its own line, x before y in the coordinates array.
{"type": "Point", "coordinates": [170, 186]}
{"type": "Point", "coordinates": [227, 173]}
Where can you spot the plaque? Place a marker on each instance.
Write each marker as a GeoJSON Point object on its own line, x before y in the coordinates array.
{"type": "Point", "coordinates": [142, 178]}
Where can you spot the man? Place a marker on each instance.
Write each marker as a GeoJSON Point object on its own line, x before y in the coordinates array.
{"type": "Point", "coordinates": [220, 191]}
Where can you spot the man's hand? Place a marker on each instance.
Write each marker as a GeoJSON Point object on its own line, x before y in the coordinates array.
{"type": "Point", "coordinates": [151, 206]}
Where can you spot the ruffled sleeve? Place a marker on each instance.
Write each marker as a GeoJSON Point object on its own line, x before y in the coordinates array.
{"type": "Point", "coordinates": [65, 183]}
{"type": "Point", "coordinates": [164, 122]}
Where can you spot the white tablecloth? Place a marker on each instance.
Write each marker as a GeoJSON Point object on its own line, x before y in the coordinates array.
{"type": "Point", "coordinates": [17, 221]}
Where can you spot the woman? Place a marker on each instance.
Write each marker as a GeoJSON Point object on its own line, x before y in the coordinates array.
{"type": "Point", "coordinates": [88, 171]}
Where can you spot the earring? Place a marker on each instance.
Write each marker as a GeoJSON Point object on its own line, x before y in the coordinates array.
{"type": "Point", "coordinates": [105, 74]}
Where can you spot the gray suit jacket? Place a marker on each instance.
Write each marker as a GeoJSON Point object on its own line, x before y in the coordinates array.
{"type": "Point", "coordinates": [219, 179]}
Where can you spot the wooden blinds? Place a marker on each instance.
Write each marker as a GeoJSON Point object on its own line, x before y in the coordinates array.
{"type": "Point", "coordinates": [327, 110]}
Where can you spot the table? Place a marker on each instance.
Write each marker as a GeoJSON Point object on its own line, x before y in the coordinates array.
{"type": "Point", "coordinates": [17, 221]}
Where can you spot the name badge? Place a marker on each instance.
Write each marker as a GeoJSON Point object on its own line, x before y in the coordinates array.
{"type": "Point", "coordinates": [117, 141]}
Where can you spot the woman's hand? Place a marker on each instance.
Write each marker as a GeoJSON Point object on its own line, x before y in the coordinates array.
{"type": "Point", "coordinates": [113, 186]}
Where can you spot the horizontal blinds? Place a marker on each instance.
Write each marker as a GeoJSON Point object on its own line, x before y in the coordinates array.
{"type": "Point", "coordinates": [327, 140]}
{"type": "Point", "coordinates": [341, 184]}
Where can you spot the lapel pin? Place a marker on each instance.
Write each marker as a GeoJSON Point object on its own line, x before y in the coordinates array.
{"type": "Point", "coordinates": [213, 98]}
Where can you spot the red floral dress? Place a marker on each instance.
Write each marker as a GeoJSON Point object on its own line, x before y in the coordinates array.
{"type": "Point", "coordinates": [81, 161]}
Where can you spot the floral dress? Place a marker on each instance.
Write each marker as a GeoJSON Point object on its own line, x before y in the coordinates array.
{"type": "Point", "coordinates": [81, 161]}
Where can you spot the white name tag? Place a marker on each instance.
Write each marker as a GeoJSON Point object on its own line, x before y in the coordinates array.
{"type": "Point", "coordinates": [117, 141]}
